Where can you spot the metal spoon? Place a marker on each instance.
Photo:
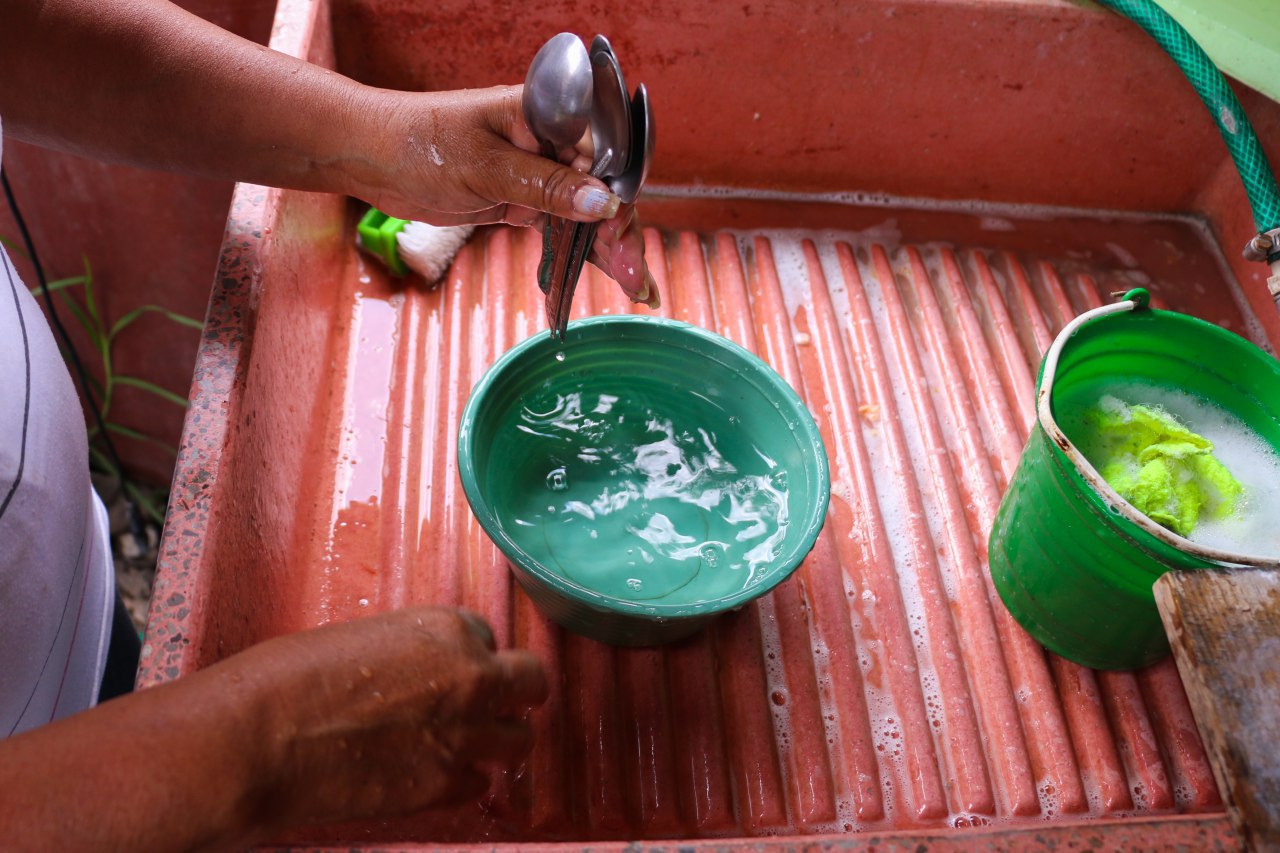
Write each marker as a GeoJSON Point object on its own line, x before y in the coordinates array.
{"type": "Point", "coordinates": [611, 135]}
{"type": "Point", "coordinates": [610, 111]}
{"type": "Point", "coordinates": [556, 103]}
{"type": "Point", "coordinates": [557, 93]}
{"type": "Point", "coordinates": [627, 185]}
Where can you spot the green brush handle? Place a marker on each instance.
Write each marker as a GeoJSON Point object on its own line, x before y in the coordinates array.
{"type": "Point", "coordinates": [1251, 162]}
{"type": "Point", "coordinates": [376, 234]}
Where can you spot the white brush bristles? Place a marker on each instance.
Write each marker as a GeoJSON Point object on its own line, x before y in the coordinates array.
{"type": "Point", "coordinates": [429, 249]}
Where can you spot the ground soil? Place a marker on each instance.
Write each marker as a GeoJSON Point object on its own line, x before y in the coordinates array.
{"type": "Point", "coordinates": [135, 560]}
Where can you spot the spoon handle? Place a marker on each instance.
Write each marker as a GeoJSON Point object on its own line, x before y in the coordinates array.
{"type": "Point", "coordinates": [551, 232]}
{"type": "Point", "coordinates": [576, 246]}
{"type": "Point", "coordinates": [565, 269]}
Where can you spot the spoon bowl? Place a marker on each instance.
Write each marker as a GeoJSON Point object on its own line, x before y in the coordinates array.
{"type": "Point", "coordinates": [557, 93]}
{"type": "Point", "coordinates": [610, 112]}
{"type": "Point", "coordinates": [627, 185]}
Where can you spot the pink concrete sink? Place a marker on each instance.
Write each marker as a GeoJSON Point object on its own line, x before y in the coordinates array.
{"type": "Point", "coordinates": [896, 204]}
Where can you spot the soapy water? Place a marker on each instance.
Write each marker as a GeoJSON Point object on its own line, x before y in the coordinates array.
{"type": "Point", "coordinates": [628, 501]}
{"type": "Point", "coordinates": [1252, 528]}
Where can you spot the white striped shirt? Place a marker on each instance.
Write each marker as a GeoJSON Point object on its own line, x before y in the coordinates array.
{"type": "Point", "coordinates": [55, 557]}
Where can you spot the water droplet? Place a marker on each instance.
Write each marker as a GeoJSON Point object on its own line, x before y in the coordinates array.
{"type": "Point", "coordinates": [364, 602]}
{"type": "Point", "coordinates": [780, 480]}
{"type": "Point", "coordinates": [560, 356]}
{"type": "Point", "coordinates": [558, 479]}
{"type": "Point", "coordinates": [711, 553]}
{"type": "Point", "coordinates": [635, 583]}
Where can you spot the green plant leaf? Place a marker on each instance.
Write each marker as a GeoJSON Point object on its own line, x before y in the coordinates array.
{"type": "Point", "coordinates": [152, 502]}
{"type": "Point", "coordinates": [14, 248]}
{"type": "Point", "coordinates": [129, 432]}
{"type": "Point", "coordinates": [90, 300]}
{"type": "Point", "coordinates": [99, 390]}
{"type": "Point", "coordinates": [152, 388]}
{"type": "Point", "coordinates": [85, 321]}
{"type": "Point", "coordinates": [100, 462]}
{"type": "Point", "coordinates": [128, 319]}
{"type": "Point", "coordinates": [184, 320]}
{"type": "Point", "coordinates": [60, 284]}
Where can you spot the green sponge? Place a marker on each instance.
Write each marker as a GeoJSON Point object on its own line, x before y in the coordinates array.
{"type": "Point", "coordinates": [1164, 469]}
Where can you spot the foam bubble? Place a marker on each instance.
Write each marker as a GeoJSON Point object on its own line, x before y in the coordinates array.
{"type": "Point", "coordinates": [1251, 529]}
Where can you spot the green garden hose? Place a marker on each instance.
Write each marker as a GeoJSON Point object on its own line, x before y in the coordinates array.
{"type": "Point", "coordinates": [1251, 162]}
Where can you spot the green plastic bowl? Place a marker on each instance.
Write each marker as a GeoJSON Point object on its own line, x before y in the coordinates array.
{"type": "Point", "coordinates": [642, 476]}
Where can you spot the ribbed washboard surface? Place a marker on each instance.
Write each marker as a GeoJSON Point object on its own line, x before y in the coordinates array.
{"type": "Point", "coordinates": [884, 686]}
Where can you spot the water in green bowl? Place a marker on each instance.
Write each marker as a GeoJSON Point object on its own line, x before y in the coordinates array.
{"type": "Point", "coordinates": [653, 503]}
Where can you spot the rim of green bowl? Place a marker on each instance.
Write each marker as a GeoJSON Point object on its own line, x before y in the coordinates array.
{"type": "Point", "coordinates": [488, 519]}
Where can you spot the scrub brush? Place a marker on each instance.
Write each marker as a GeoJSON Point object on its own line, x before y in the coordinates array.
{"type": "Point", "coordinates": [403, 245]}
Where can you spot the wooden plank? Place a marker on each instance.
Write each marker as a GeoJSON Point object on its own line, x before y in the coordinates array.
{"type": "Point", "coordinates": [1225, 631]}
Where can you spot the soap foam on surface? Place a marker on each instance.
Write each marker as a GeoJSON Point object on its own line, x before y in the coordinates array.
{"type": "Point", "coordinates": [1252, 528]}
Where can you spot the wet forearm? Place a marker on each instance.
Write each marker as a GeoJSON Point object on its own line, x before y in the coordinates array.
{"type": "Point", "coordinates": [146, 83]}
{"type": "Point", "coordinates": [165, 769]}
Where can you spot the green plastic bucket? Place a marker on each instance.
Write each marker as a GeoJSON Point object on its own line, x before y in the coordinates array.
{"type": "Point", "coordinates": [1073, 561]}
